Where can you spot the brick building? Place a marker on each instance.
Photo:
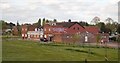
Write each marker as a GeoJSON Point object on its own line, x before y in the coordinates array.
{"type": "Point", "coordinates": [31, 32]}
{"type": "Point", "coordinates": [24, 31]}
{"type": "Point", "coordinates": [63, 31]}
{"type": "Point", "coordinates": [67, 32]}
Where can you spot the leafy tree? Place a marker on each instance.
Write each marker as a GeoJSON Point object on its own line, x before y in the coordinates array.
{"type": "Point", "coordinates": [98, 39]}
{"type": "Point", "coordinates": [75, 37]}
{"type": "Point", "coordinates": [118, 39]}
{"type": "Point", "coordinates": [55, 20]}
{"type": "Point", "coordinates": [101, 25]}
{"type": "Point", "coordinates": [108, 30]}
{"type": "Point", "coordinates": [4, 24]}
{"type": "Point", "coordinates": [111, 26]}
{"type": "Point", "coordinates": [39, 22]}
{"type": "Point", "coordinates": [109, 20]}
{"type": "Point", "coordinates": [83, 23]}
{"type": "Point", "coordinates": [69, 20]}
{"type": "Point", "coordinates": [47, 21]}
{"type": "Point", "coordinates": [18, 23]}
{"type": "Point", "coordinates": [43, 23]}
{"type": "Point", "coordinates": [19, 28]}
{"type": "Point", "coordinates": [118, 28]}
{"type": "Point", "coordinates": [11, 25]}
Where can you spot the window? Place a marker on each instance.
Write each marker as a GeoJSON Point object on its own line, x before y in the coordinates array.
{"type": "Point", "coordinates": [34, 36]}
{"type": "Point", "coordinates": [74, 28]}
{"type": "Point", "coordinates": [86, 39]}
{"type": "Point", "coordinates": [67, 36]}
{"type": "Point", "coordinates": [38, 36]}
{"type": "Point", "coordinates": [45, 29]}
{"type": "Point", "coordinates": [45, 36]}
{"type": "Point", "coordinates": [28, 36]}
{"type": "Point", "coordinates": [36, 29]}
{"type": "Point", "coordinates": [25, 29]}
{"type": "Point", "coordinates": [49, 29]}
{"type": "Point", "coordinates": [22, 35]}
{"type": "Point", "coordinates": [25, 35]}
{"type": "Point", "coordinates": [41, 36]}
{"type": "Point", "coordinates": [78, 28]}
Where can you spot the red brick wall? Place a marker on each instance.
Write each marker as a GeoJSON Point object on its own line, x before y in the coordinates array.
{"type": "Point", "coordinates": [47, 30]}
{"type": "Point", "coordinates": [57, 38]}
{"type": "Point", "coordinates": [24, 31]}
{"type": "Point", "coordinates": [75, 29]}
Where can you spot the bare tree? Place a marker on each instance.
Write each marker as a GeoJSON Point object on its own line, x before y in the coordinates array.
{"type": "Point", "coordinates": [95, 20]}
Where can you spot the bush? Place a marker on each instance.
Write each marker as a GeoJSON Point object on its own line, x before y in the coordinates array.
{"type": "Point", "coordinates": [118, 40]}
{"type": "Point", "coordinates": [113, 38]}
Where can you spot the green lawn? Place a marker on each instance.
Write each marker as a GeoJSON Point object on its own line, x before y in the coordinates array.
{"type": "Point", "coordinates": [19, 50]}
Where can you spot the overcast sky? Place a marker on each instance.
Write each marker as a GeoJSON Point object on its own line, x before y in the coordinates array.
{"type": "Point", "coordinates": [29, 11]}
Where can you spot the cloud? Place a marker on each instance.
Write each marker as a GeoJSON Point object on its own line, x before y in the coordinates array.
{"type": "Point", "coordinates": [4, 5]}
{"type": "Point", "coordinates": [31, 10]}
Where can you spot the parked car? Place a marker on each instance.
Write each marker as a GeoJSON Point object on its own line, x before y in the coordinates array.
{"type": "Point", "coordinates": [43, 39]}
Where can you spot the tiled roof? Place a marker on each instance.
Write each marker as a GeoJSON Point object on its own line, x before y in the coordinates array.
{"type": "Point", "coordinates": [31, 28]}
{"type": "Point", "coordinates": [92, 29]}
{"type": "Point", "coordinates": [67, 24]}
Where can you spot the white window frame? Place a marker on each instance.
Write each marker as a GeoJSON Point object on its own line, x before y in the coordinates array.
{"type": "Point", "coordinates": [25, 35]}
{"type": "Point", "coordinates": [49, 29]}
{"type": "Point", "coordinates": [25, 29]}
{"type": "Point", "coordinates": [86, 38]}
{"type": "Point", "coordinates": [41, 36]}
{"type": "Point", "coordinates": [22, 35]}
{"type": "Point", "coordinates": [45, 29]}
{"type": "Point", "coordinates": [45, 36]}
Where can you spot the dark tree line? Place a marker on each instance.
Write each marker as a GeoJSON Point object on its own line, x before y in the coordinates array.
{"type": "Point", "coordinates": [106, 28]}
{"type": "Point", "coordinates": [6, 25]}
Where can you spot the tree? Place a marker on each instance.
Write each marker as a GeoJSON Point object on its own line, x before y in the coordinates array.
{"type": "Point", "coordinates": [83, 23]}
{"type": "Point", "coordinates": [69, 20]}
{"type": "Point", "coordinates": [118, 28]}
{"type": "Point", "coordinates": [55, 20]}
{"type": "Point", "coordinates": [4, 24]}
{"type": "Point", "coordinates": [109, 20]}
{"type": "Point", "coordinates": [11, 25]}
{"type": "Point", "coordinates": [43, 23]}
{"type": "Point", "coordinates": [112, 26]}
{"type": "Point", "coordinates": [47, 21]}
{"type": "Point", "coordinates": [39, 22]}
{"type": "Point", "coordinates": [75, 37]}
{"type": "Point", "coordinates": [98, 39]}
{"type": "Point", "coordinates": [18, 23]}
{"type": "Point", "coordinates": [101, 25]}
{"type": "Point", "coordinates": [19, 28]}
{"type": "Point", "coordinates": [118, 38]}
{"type": "Point", "coordinates": [95, 20]}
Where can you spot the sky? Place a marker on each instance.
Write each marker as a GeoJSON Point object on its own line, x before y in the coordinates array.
{"type": "Point", "coordinates": [29, 11]}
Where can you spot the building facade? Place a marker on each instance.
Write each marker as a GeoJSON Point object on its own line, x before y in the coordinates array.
{"type": "Point", "coordinates": [31, 32]}
{"type": "Point", "coordinates": [66, 32]}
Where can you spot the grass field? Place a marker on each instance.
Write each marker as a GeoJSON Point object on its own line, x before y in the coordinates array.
{"type": "Point", "coordinates": [19, 50]}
